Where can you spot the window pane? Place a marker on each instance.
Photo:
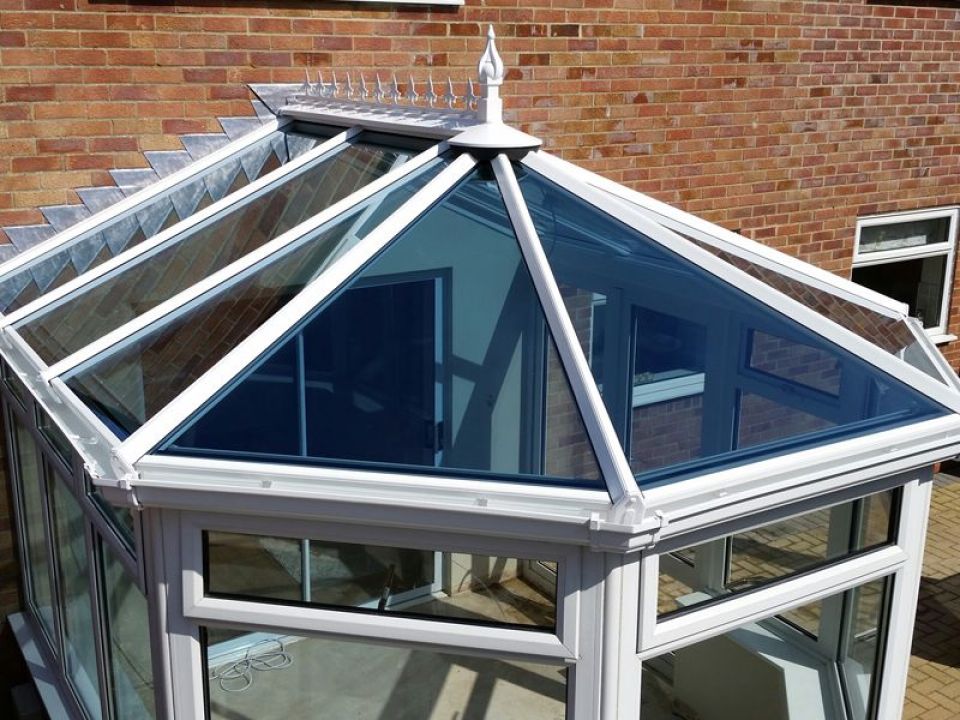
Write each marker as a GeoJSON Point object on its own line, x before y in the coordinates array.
{"type": "Point", "coordinates": [73, 572]}
{"type": "Point", "coordinates": [901, 235]}
{"type": "Point", "coordinates": [686, 389]}
{"type": "Point", "coordinates": [436, 355]}
{"type": "Point", "coordinates": [768, 671]}
{"type": "Point", "coordinates": [755, 558]}
{"type": "Point", "coordinates": [158, 275]}
{"type": "Point", "coordinates": [119, 516]}
{"type": "Point", "coordinates": [55, 437]}
{"type": "Point", "coordinates": [124, 231]}
{"type": "Point", "coordinates": [128, 624]}
{"type": "Point", "coordinates": [795, 362]}
{"type": "Point", "coordinates": [132, 383]}
{"type": "Point", "coordinates": [919, 283]}
{"type": "Point", "coordinates": [461, 586]}
{"type": "Point", "coordinates": [31, 485]}
{"type": "Point", "coordinates": [323, 679]}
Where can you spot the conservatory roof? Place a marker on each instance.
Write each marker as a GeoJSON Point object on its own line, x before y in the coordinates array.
{"type": "Point", "coordinates": [397, 282]}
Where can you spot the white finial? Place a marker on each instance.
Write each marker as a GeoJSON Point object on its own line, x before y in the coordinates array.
{"type": "Point", "coordinates": [490, 68]}
{"type": "Point", "coordinates": [305, 88]}
{"type": "Point", "coordinates": [431, 94]}
{"type": "Point", "coordinates": [412, 95]}
{"type": "Point", "coordinates": [491, 72]}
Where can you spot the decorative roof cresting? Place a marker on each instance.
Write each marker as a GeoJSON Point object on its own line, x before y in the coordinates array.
{"type": "Point", "coordinates": [473, 120]}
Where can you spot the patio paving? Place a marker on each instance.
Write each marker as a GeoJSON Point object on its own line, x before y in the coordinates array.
{"type": "Point", "coordinates": [933, 690]}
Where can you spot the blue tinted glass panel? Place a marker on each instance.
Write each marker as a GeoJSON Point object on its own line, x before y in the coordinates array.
{"type": "Point", "coordinates": [436, 355]}
{"type": "Point", "coordinates": [145, 282]}
{"type": "Point", "coordinates": [131, 383]}
{"type": "Point", "coordinates": [695, 373]}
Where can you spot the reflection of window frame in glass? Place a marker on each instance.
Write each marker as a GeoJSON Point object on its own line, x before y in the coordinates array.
{"type": "Point", "coordinates": [946, 249]}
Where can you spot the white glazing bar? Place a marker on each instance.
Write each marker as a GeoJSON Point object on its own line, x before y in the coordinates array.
{"type": "Point", "coordinates": [175, 233]}
{"type": "Point", "coordinates": [375, 628]}
{"type": "Point", "coordinates": [750, 607]}
{"type": "Point", "coordinates": [173, 306]}
{"type": "Point", "coordinates": [721, 237]}
{"type": "Point", "coordinates": [613, 462]}
{"type": "Point", "coordinates": [933, 353]}
{"type": "Point", "coordinates": [240, 357]}
{"type": "Point", "coordinates": [62, 239]}
{"type": "Point", "coordinates": [864, 349]}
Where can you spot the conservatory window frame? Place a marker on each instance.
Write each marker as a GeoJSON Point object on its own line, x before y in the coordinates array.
{"type": "Point", "coordinates": [901, 562]}
{"type": "Point", "coordinates": [938, 333]}
{"type": "Point", "coordinates": [560, 644]}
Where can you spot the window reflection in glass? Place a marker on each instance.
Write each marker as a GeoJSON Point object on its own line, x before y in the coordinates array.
{"type": "Point", "coordinates": [128, 647]}
{"type": "Point", "coordinates": [31, 484]}
{"type": "Point", "coordinates": [768, 670]}
{"type": "Point", "coordinates": [73, 573]}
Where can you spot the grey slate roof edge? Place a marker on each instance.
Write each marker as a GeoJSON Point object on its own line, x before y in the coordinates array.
{"type": "Point", "coordinates": [128, 181]}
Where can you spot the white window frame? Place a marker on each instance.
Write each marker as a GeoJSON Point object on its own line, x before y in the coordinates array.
{"type": "Point", "coordinates": [947, 249]}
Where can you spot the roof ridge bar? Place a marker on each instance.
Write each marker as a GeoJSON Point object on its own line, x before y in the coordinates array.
{"type": "Point", "coordinates": [62, 239]}
{"type": "Point", "coordinates": [812, 320]}
{"type": "Point", "coordinates": [45, 301]}
{"type": "Point", "coordinates": [724, 239]}
{"type": "Point", "coordinates": [168, 418]}
{"type": "Point", "coordinates": [237, 267]}
{"type": "Point", "coordinates": [610, 456]}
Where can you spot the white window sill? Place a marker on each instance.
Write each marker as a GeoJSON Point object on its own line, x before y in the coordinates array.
{"type": "Point", "coordinates": [942, 338]}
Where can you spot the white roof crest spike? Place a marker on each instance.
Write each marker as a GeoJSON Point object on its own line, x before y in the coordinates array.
{"type": "Point", "coordinates": [491, 72]}
{"type": "Point", "coordinates": [490, 68]}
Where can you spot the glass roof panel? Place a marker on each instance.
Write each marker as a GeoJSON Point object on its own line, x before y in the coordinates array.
{"type": "Point", "coordinates": [128, 384]}
{"type": "Point", "coordinates": [891, 334]}
{"type": "Point", "coordinates": [161, 211]}
{"type": "Point", "coordinates": [143, 283]}
{"type": "Point", "coordinates": [435, 355]}
{"type": "Point", "coordinates": [695, 373]}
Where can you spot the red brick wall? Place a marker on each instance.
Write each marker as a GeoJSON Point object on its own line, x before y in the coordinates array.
{"type": "Point", "coordinates": [782, 119]}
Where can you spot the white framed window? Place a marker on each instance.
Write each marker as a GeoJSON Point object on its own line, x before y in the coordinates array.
{"type": "Point", "coordinates": [910, 257]}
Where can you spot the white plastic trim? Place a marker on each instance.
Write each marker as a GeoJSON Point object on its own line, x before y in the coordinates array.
{"type": "Point", "coordinates": [175, 305]}
{"type": "Point", "coordinates": [855, 344]}
{"type": "Point", "coordinates": [766, 602]}
{"type": "Point", "coordinates": [62, 239]}
{"type": "Point", "coordinates": [610, 456]}
{"type": "Point", "coordinates": [718, 236]}
{"type": "Point", "coordinates": [176, 233]}
{"type": "Point", "coordinates": [167, 419]}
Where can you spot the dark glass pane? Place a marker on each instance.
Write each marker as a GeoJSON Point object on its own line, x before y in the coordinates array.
{"type": "Point", "coordinates": [276, 678]}
{"type": "Point", "coordinates": [31, 485]}
{"type": "Point", "coordinates": [129, 656]}
{"type": "Point", "coordinates": [918, 283]}
{"type": "Point", "coordinates": [435, 355]}
{"type": "Point", "coordinates": [695, 373]}
{"type": "Point", "coordinates": [54, 435]}
{"type": "Point", "coordinates": [159, 274]}
{"type": "Point", "coordinates": [134, 226]}
{"type": "Point", "coordinates": [376, 578]}
{"type": "Point", "coordinates": [73, 573]}
{"type": "Point", "coordinates": [131, 384]}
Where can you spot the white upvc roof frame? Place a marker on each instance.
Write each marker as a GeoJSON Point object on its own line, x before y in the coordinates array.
{"type": "Point", "coordinates": [709, 263]}
{"type": "Point", "coordinates": [166, 420]}
{"type": "Point", "coordinates": [763, 255]}
{"type": "Point", "coordinates": [62, 239]}
{"type": "Point", "coordinates": [170, 237]}
{"type": "Point", "coordinates": [175, 305]}
{"type": "Point", "coordinates": [610, 456]}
